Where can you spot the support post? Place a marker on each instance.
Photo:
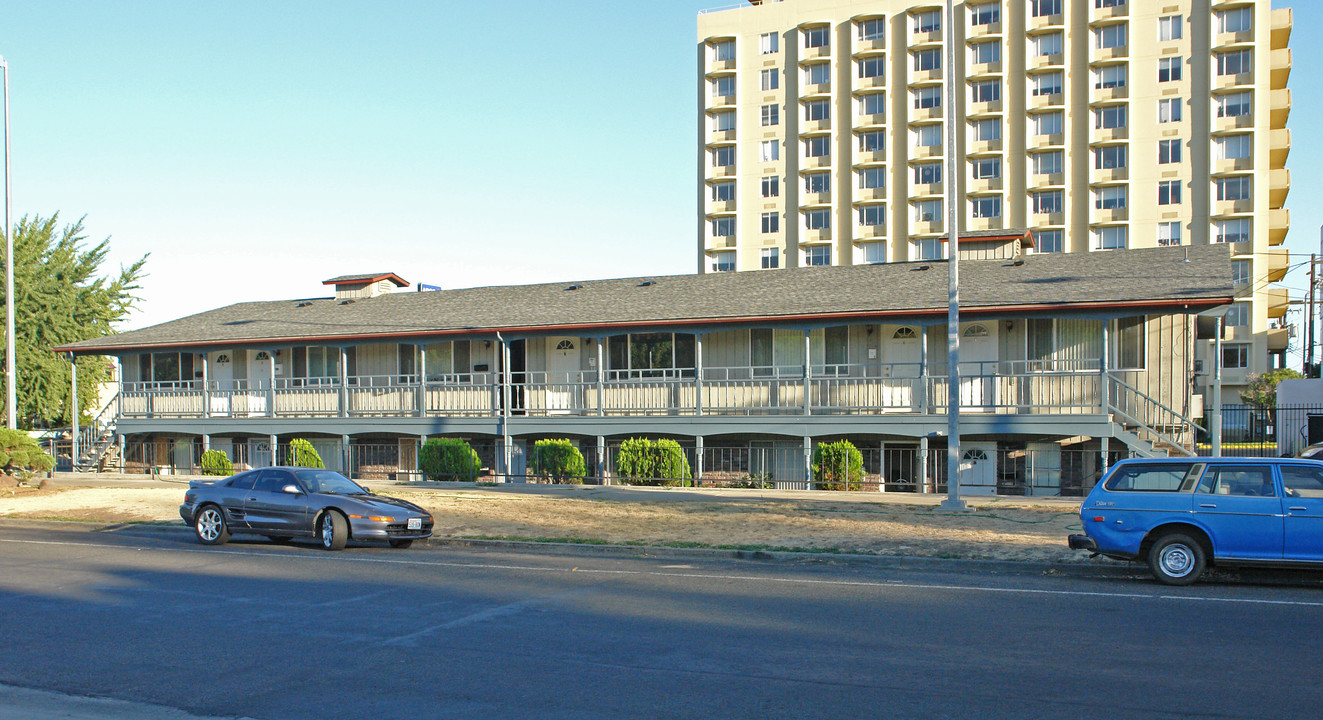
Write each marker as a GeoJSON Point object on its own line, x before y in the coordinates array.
{"type": "Point", "coordinates": [271, 387]}
{"type": "Point", "coordinates": [344, 384]}
{"type": "Point", "coordinates": [923, 464]}
{"type": "Point", "coordinates": [923, 370]}
{"type": "Point", "coordinates": [422, 380]}
{"type": "Point", "coordinates": [275, 455]}
{"type": "Point", "coordinates": [601, 374]}
{"type": "Point", "coordinates": [418, 458]}
{"type": "Point", "coordinates": [346, 457]}
{"type": "Point", "coordinates": [206, 442]}
{"type": "Point", "coordinates": [1215, 421]}
{"type": "Point", "coordinates": [808, 378]}
{"type": "Point", "coordinates": [73, 454]}
{"type": "Point", "coordinates": [954, 203]}
{"type": "Point", "coordinates": [119, 439]}
{"type": "Point", "coordinates": [506, 448]}
{"type": "Point", "coordinates": [1106, 451]}
{"type": "Point", "coordinates": [1104, 386]}
{"type": "Point", "coordinates": [698, 376]}
{"type": "Point", "coordinates": [698, 459]}
{"type": "Point", "coordinates": [206, 385]}
{"type": "Point", "coordinates": [882, 467]}
{"type": "Point", "coordinates": [601, 456]}
{"type": "Point", "coordinates": [808, 462]}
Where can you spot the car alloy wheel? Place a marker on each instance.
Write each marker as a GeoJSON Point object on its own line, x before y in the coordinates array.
{"type": "Point", "coordinates": [335, 530]}
{"type": "Point", "coordinates": [210, 526]}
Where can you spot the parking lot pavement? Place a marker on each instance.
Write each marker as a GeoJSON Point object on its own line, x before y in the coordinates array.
{"type": "Point", "coordinates": [23, 704]}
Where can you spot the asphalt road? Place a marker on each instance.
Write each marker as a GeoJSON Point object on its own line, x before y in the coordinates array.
{"type": "Point", "coordinates": [167, 628]}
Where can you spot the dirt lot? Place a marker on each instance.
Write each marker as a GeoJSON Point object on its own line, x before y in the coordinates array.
{"type": "Point", "coordinates": [829, 522]}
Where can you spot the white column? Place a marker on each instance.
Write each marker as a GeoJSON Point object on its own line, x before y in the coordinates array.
{"type": "Point", "coordinates": [274, 455]}
{"type": "Point", "coordinates": [698, 377]}
{"type": "Point", "coordinates": [206, 387]}
{"type": "Point", "coordinates": [601, 374]}
{"type": "Point", "coordinates": [73, 455]}
{"type": "Point", "coordinates": [344, 389]}
{"type": "Point", "coordinates": [271, 394]}
{"type": "Point", "coordinates": [923, 464]}
{"type": "Point", "coordinates": [808, 373]}
{"type": "Point", "coordinates": [422, 381]}
{"type": "Point", "coordinates": [808, 461]}
{"type": "Point", "coordinates": [345, 456]}
{"type": "Point", "coordinates": [698, 459]}
{"type": "Point", "coordinates": [601, 458]}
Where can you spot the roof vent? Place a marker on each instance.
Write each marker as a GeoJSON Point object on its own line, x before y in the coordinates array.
{"type": "Point", "coordinates": [574, 287]}
{"type": "Point", "coordinates": [305, 303]}
{"type": "Point", "coordinates": [348, 301]}
{"type": "Point", "coordinates": [647, 283]}
{"type": "Point", "coordinates": [1018, 262]}
{"type": "Point", "coordinates": [921, 268]}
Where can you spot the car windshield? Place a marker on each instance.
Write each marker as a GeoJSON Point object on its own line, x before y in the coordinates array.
{"type": "Point", "coordinates": [329, 482]}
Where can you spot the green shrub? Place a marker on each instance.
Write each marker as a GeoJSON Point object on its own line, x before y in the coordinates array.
{"type": "Point", "coordinates": [838, 466]}
{"type": "Point", "coordinates": [216, 462]}
{"type": "Point", "coordinates": [641, 461]}
{"type": "Point", "coordinates": [558, 461]}
{"type": "Point", "coordinates": [303, 454]}
{"type": "Point", "coordinates": [449, 459]}
{"type": "Point", "coordinates": [21, 455]}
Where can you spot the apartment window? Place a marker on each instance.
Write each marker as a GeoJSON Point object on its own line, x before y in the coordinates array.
{"type": "Point", "coordinates": [1233, 105]}
{"type": "Point", "coordinates": [723, 262]}
{"type": "Point", "coordinates": [817, 256]}
{"type": "Point", "coordinates": [927, 97]}
{"type": "Point", "coordinates": [986, 52]}
{"type": "Point", "coordinates": [819, 146]}
{"type": "Point", "coordinates": [1109, 76]}
{"type": "Point", "coordinates": [1169, 152]}
{"type": "Point", "coordinates": [817, 219]}
{"type": "Point", "coordinates": [1047, 163]}
{"type": "Point", "coordinates": [928, 136]}
{"type": "Point", "coordinates": [1044, 8]}
{"type": "Point", "coordinates": [817, 74]}
{"type": "Point", "coordinates": [875, 253]}
{"type": "Point", "coordinates": [873, 104]}
{"type": "Point", "coordinates": [986, 91]}
{"type": "Point", "coordinates": [927, 173]}
{"type": "Point", "coordinates": [1234, 63]}
{"type": "Point", "coordinates": [928, 211]}
{"type": "Point", "coordinates": [873, 215]}
{"type": "Point", "coordinates": [167, 367]}
{"type": "Point", "coordinates": [1049, 241]}
{"type": "Point", "coordinates": [1110, 157]}
{"type": "Point", "coordinates": [1108, 3]}
{"type": "Point", "coordinates": [723, 156]}
{"type": "Point", "coordinates": [872, 178]}
{"type": "Point", "coordinates": [770, 114]}
{"type": "Point", "coordinates": [1048, 44]}
{"type": "Point", "coordinates": [1169, 233]}
{"type": "Point", "coordinates": [817, 110]}
{"type": "Point", "coordinates": [1051, 201]}
{"type": "Point", "coordinates": [927, 21]}
{"type": "Point", "coordinates": [1235, 147]}
{"type": "Point", "coordinates": [1047, 83]}
{"type": "Point", "coordinates": [926, 249]}
{"type": "Point", "coordinates": [1169, 69]}
{"type": "Point", "coordinates": [1169, 192]}
{"type": "Point", "coordinates": [816, 37]}
{"type": "Point", "coordinates": [1232, 231]}
{"type": "Point", "coordinates": [771, 222]}
{"type": "Point", "coordinates": [1110, 238]}
{"type": "Point", "coordinates": [1240, 272]}
{"type": "Point", "coordinates": [723, 121]}
{"type": "Point", "coordinates": [769, 150]}
{"type": "Point", "coordinates": [1169, 110]}
{"type": "Point", "coordinates": [987, 206]}
{"type": "Point", "coordinates": [872, 29]}
{"type": "Point", "coordinates": [1128, 344]}
{"type": "Point", "coordinates": [872, 67]}
{"type": "Point", "coordinates": [987, 14]}
{"type": "Point", "coordinates": [769, 43]}
{"type": "Point", "coordinates": [723, 50]}
{"type": "Point", "coordinates": [1049, 123]}
{"type": "Point", "coordinates": [1234, 188]}
{"type": "Point", "coordinates": [771, 186]}
{"type": "Point", "coordinates": [1170, 27]}
{"type": "Point", "coordinates": [723, 227]}
{"type": "Point", "coordinates": [770, 258]}
{"type": "Point", "coordinates": [723, 191]}
{"type": "Point", "coordinates": [1237, 20]}
{"type": "Point", "coordinates": [985, 130]}
{"type": "Point", "coordinates": [1110, 117]}
{"type": "Point", "coordinates": [1111, 197]}
{"type": "Point", "coordinates": [986, 168]}
{"type": "Point", "coordinates": [1110, 36]}
{"type": "Point", "coordinates": [815, 183]}
{"type": "Point", "coordinates": [872, 142]}
{"type": "Point", "coordinates": [723, 86]}
{"type": "Point", "coordinates": [1235, 356]}
{"type": "Point", "coordinates": [769, 79]}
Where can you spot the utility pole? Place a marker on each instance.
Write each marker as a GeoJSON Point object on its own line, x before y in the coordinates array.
{"type": "Point", "coordinates": [954, 206]}
{"type": "Point", "coordinates": [11, 372]}
{"type": "Point", "coordinates": [1309, 320]}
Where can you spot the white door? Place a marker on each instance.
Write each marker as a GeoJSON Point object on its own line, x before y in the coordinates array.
{"type": "Point", "coordinates": [259, 382]}
{"type": "Point", "coordinates": [220, 375]}
{"type": "Point", "coordinates": [562, 373]}
{"type": "Point", "coordinates": [978, 366]}
{"type": "Point", "coordinates": [978, 468]}
{"type": "Point", "coordinates": [1044, 460]}
{"type": "Point", "coordinates": [901, 356]}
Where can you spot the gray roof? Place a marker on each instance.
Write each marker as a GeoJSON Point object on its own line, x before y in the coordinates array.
{"type": "Point", "coordinates": [1152, 279]}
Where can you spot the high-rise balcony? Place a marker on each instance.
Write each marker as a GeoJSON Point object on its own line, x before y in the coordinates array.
{"type": "Point", "coordinates": [876, 82]}
{"type": "Point", "coordinates": [720, 242]}
{"type": "Point", "coordinates": [983, 185]}
{"type": "Point", "coordinates": [872, 46]}
{"type": "Point", "coordinates": [926, 190]}
{"type": "Point", "coordinates": [1281, 67]}
{"type": "Point", "coordinates": [933, 37]}
{"type": "Point", "coordinates": [721, 137]}
{"type": "Point", "coordinates": [926, 227]}
{"type": "Point", "coordinates": [1281, 107]}
{"type": "Point", "coordinates": [925, 77]}
{"type": "Point", "coordinates": [1232, 165]}
{"type": "Point", "coordinates": [992, 107]}
{"type": "Point", "coordinates": [1047, 181]}
{"type": "Point", "coordinates": [871, 121]}
{"type": "Point", "coordinates": [1279, 261]}
{"type": "Point", "coordinates": [870, 232]}
{"type": "Point", "coordinates": [1039, 220]}
{"type": "Point", "coordinates": [721, 171]}
{"type": "Point", "coordinates": [1120, 52]}
{"type": "Point", "coordinates": [1110, 13]}
{"type": "Point", "coordinates": [1111, 215]}
{"type": "Point", "coordinates": [979, 147]}
{"type": "Point", "coordinates": [1231, 82]}
{"type": "Point", "coordinates": [814, 53]}
{"type": "Point", "coordinates": [1038, 142]}
{"type": "Point", "coordinates": [814, 236]}
{"type": "Point", "coordinates": [716, 101]}
{"type": "Point", "coordinates": [1229, 40]}
{"type": "Point", "coordinates": [984, 223]}
{"type": "Point", "coordinates": [870, 157]}
{"type": "Point", "coordinates": [1110, 175]}
{"type": "Point", "coordinates": [1279, 147]}
{"type": "Point", "coordinates": [986, 30]}
{"type": "Point", "coordinates": [1110, 94]}
{"type": "Point", "coordinates": [929, 113]}
{"type": "Point", "coordinates": [988, 68]}
{"type": "Point", "coordinates": [814, 163]}
{"type": "Point", "coordinates": [1279, 223]}
{"type": "Point", "coordinates": [1043, 62]}
{"type": "Point", "coordinates": [1109, 135]}
{"type": "Point", "coordinates": [1278, 300]}
{"type": "Point", "coordinates": [1282, 22]}
{"type": "Point", "coordinates": [1279, 186]}
{"type": "Point", "coordinates": [1235, 122]}
{"type": "Point", "coordinates": [1046, 22]}
{"type": "Point", "coordinates": [815, 127]}
{"type": "Point", "coordinates": [870, 194]}
{"type": "Point", "coordinates": [720, 207]}
{"type": "Point", "coordinates": [815, 199]}
{"type": "Point", "coordinates": [812, 89]}
{"type": "Point", "coordinates": [926, 151]}
{"type": "Point", "coordinates": [1227, 208]}
{"type": "Point", "coordinates": [1278, 338]}
{"type": "Point", "coordinates": [1049, 100]}
{"type": "Point", "coordinates": [720, 67]}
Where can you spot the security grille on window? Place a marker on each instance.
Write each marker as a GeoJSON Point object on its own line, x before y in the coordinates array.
{"type": "Point", "coordinates": [927, 97]}
{"type": "Point", "coordinates": [1169, 233]}
{"type": "Point", "coordinates": [1169, 152]}
{"type": "Point", "coordinates": [872, 29]}
{"type": "Point", "coordinates": [873, 104]}
{"type": "Point", "coordinates": [1169, 192]}
{"type": "Point", "coordinates": [1233, 105]}
{"type": "Point", "coordinates": [1044, 8]}
{"type": "Point", "coordinates": [987, 14]}
{"type": "Point", "coordinates": [986, 91]}
{"type": "Point", "coordinates": [771, 222]}
{"type": "Point", "coordinates": [1049, 241]}
{"type": "Point", "coordinates": [927, 60]}
{"type": "Point", "coordinates": [1048, 44]}
{"type": "Point", "coordinates": [817, 220]}
{"type": "Point", "coordinates": [986, 207]}
{"type": "Point", "coordinates": [1234, 63]}
{"type": "Point", "coordinates": [769, 43]}
{"type": "Point", "coordinates": [769, 79]}
{"type": "Point", "coordinates": [721, 192]}
{"type": "Point", "coordinates": [1169, 69]}
{"type": "Point", "coordinates": [817, 255]}
{"type": "Point", "coordinates": [817, 110]}
{"type": "Point", "coordinates": [986, 52]}
{"type": "Point", "coordinates": [927, 21]}
{"type": "Point", "coordinates": [1112, 197]}
{"type": "Point", "coordinates": [1110, 76]}
{"type": "Point", "coordinates": [817, 74]}
{"type": "Point", "coordinates": [872, 67]}
{"type": "Point", "coordinates": [986, 168]}
{"type": "Point", "coordinates": [816, 37]}
{"type": "Point", "coordinates": [872, 215]}
{"type": "Point", "coordinates": [771, 186]}
{"type": "Point", "coordinates": [1110, 36]}
{"type": "Point", "coordinates": [1110, 157]}
{"type": "Point", "coordinates": [1048, 83]}
{"type": "Point", "coordinates": [1110, 117]}
{"type": "Point", "coordinates": [870, 178]}
{"type": "Point", "coordinates": [1234, 188]}
{"type": "Point", "coordinates": [1170, 27]}
{"type": "Point", "coordinates": [927, 173]}
{"type": "Point", "coordinates": [1110, 238]}
{"type": "Point", "coordinates": [1048, 123]}
{"type": "Point", "coordinates": [1050, 201]}
{"type": "Point", "coordinates": [1047, 163]}
{"type": "Point", "coordinates": [1232, 231]}
{"type": "Point", "coordinates": [872, 142]}
{"type": "Point", "coordinates": [819, 146]}
{"type": "Point", "coordinates": [770, 258]}
{"type": "Point", "coordinates": [1169, 111]}
{"type": "Point", "coordinates": [771, 114]}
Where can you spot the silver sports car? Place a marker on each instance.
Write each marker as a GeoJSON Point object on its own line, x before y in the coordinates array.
{"type": "Point", "coordinates": [283, 503]}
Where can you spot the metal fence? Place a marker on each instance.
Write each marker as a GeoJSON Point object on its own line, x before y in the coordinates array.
{"type": "Point", "coordinates": [1251, 431]}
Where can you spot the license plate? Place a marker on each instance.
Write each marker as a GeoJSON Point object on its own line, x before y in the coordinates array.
{"type": "Point", "coordinates": [415, 523]}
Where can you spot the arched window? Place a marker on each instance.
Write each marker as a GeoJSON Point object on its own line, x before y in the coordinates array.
{"type": "Point", "coordinates": [975, 455]}
{"type": "Point", "coordinates": [905, 333]}
{"type": "Point", "coordinates": [976, 331]}
{"type": "Point", "coordinates": [565, 345]}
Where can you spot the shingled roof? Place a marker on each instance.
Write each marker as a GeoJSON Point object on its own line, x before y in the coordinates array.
{"type": "Point", "coordinates": [1152, 279]}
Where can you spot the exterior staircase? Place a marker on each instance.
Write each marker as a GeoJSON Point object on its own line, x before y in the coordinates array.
{"type": "Point", "coordinates": [1148, 427]}
{"type": "Point", "coordinates": [98, 446]}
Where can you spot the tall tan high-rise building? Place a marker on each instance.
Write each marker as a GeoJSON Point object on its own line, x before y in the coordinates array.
{"type": "Point", "coordinates": [1098, 124]}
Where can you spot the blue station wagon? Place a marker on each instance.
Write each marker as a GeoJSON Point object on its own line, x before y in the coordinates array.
{"type": "Point", "coordinates": [1183, 515]}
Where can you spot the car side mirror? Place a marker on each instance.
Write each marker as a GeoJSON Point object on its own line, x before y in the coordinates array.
{"type": "Point", "coordinates": [366, 489]}
{"type": "Point", "coordinates": [292, 490]}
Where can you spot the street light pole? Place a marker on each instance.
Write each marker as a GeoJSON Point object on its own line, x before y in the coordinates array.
{"type": "Point", "coordinates": [952, 501]}
{"type": "Point", "coordinates": [11, 373]}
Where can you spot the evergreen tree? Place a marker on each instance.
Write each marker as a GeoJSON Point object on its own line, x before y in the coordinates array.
{"type": "Point", "coordinates": [59, 298]}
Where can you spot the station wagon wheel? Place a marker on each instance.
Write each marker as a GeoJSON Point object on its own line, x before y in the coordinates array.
{"type": "Point", "coordinates": [334, 530]}
{"type": "Point", "coordinates": [210, 526]}
{"type": "Point", "coordinates": [1176, 559]}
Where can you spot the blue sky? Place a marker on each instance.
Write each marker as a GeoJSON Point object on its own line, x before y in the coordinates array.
{"type": "Point", "coordinates": [258, 148]}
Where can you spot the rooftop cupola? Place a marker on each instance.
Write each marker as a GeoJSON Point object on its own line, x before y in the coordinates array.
{"type": "Point", "coordinates": [370, 285]}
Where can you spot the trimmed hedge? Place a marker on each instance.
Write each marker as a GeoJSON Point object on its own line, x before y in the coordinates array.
{"type": "Point", "coordinates": [303, 454]}
{"type": "Point", "coordinates": [838, 466]}
{"type": "Point", "coordinates": [642, 461]}
{"type": "Point", "coordinates": [216, 462]}
{"type": "Point", "coordinates": [449, 459]}
{"type": "Point", "coordinates": [558, 460]}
